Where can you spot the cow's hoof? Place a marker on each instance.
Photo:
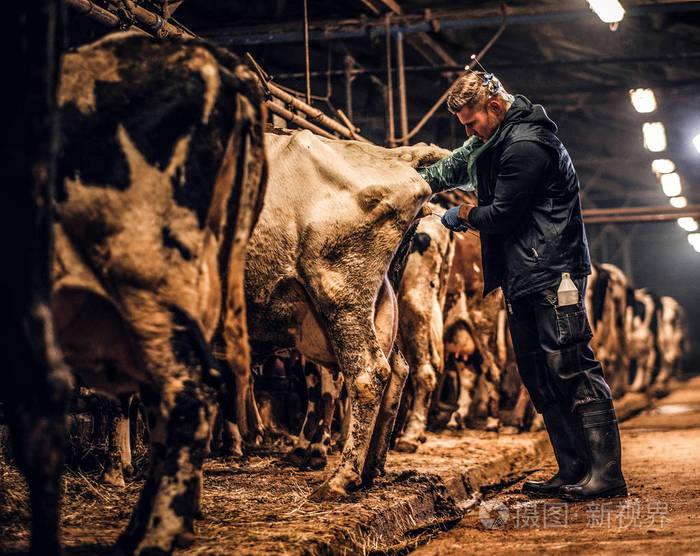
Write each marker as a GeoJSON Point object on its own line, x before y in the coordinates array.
{"type": "Point", "coordinates": [328, 493]}
{"type": "Point", "coordinates": [509, 430]}
{"type": "Point", "coordinates": [492, 424]}
{"type": "Point", "coordinates": [406, 445]}
{"type": "Point", "coordinates": [113, 478]}
{"type": "Point", "coordinates": [184, 539]}
{"type": "Point", "coordinates": [455, 423]}
{"type": "Point", "coordinates": [297, 457]}
{"type": "Point", "coordinates": [316, 462]}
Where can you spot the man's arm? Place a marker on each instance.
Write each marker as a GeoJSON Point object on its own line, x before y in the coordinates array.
{"type": "Point", "coordinates": [523, 167]}
{"type": "Point", "coordinates": [448, 173]}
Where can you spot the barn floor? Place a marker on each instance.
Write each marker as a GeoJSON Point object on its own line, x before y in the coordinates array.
{"type": "Point", "coordinates": [257, 505]}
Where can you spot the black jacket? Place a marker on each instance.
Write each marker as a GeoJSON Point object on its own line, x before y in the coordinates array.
{"type": "Point", "coordinates": [529, 212]}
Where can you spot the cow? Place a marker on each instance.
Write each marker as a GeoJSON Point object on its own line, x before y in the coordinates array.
{"type": "Point", "coordinates": [421, 301]}
{"type": "Point", "coordinates": [641, 327]}
{"type": "Point", "coordinates": [607, 299]}
{"type": "Point", "coordinates": [323, 388]}
{"type": "Point", "coordinates": [162, 172]}
{"type": "Point", "coordinates": [334, 215]}
{"type": "Point", "coordinates": [672, 341]}
{"type": "Point", "coordinates": [481, 354]}
{"type": "Point", "coordinates": [35, 384]}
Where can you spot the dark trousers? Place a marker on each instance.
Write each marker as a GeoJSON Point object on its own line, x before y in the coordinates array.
{"type": "Point", "coordinates": [555, 361]}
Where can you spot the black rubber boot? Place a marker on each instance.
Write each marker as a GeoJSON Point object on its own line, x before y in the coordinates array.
{"type": "Point", "coordinates": [566, 437]}
{"type": "Point", "coordinates": [604, 478]}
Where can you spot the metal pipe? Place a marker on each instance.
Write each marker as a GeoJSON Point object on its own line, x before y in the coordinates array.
{"type": "Point", "coordinates": [444, 96]}
{"type": "Point", "coordinates": [675, 57]}
{"type": "Point", "coordinates": [637, 218]}
{"type": "Point", "coordinates": [373, 28]}
{"type": "Point", "coordinates": [403, 111]}
{"type": "Point", "coordinates": [298, 120]}
{"type": "Point", "coordinates": [390, 86]}
{"type": "Point", "coordinates": [94, 12]}
{"type": "Point", "coordinates": [154, 23]}
{"type": "Point", "coordinates": [314, 113]}
{"type": "Point", "coordinates": [306, 52]}
{"type": "Point", "coordinates": [625, 211]}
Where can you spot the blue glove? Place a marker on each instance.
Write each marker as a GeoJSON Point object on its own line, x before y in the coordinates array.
{"type": "Point", "coordinates": [452, 220]}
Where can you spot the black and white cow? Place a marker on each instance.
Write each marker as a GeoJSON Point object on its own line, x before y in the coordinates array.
{"type": "Point", "coordinates": [162, 173]}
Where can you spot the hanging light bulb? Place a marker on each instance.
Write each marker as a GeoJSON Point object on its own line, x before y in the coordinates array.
{"type": "Point", "coordinates": [654, 136]}
{"type": "Point", "coordinates": [694, 240]}
{"type": "Point", "coordinates": [671, 184]}
{"type": "Point", "coordinates": [688, 224]}
{"type": "Point", "coordinates": [609, 11]}
{"type": "Point", "coordinates": [678, 202]}
{"type": "Point", "coordinates": [643, 100]}
{"type": "Point", "coordinates": [696, 142]}
{"type": "Point", "coordinates": [662, 166]}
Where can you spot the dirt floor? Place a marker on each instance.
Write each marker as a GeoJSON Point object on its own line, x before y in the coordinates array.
{"type": "Point", "coordinates": [257, 505]}
{"type": "Point", "coordinates": [661, 449]}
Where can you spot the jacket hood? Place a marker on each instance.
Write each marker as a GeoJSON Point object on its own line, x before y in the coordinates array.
{"type": "Point", "coordinates": [523, 111]}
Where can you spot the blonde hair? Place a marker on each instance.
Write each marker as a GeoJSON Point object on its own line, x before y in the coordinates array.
{"type": "Point", "coordinates": [473, 88]}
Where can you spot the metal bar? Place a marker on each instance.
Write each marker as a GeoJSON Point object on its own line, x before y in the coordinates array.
{"type": "Point", "coordinates": [403, 111]}
{"type": "Point", "coordinates": [444, 96]}
{"type": "Point", "coordinates": [348, 85]}
{"type": "Point", "coordinates": [626, 211]}
{"type": "Point", "coordinates": [390, 86]}
{"type": "Point", "coordinates": [454, 19]}
{"type": "Point", "coordinates": [315, 114]}
{"type": "Point", "coordinates": [94, 12]}
{"type": "Point", "coordinates": [306, 52]}
{"type": "Point", "coordinates": [154, 24]}
{"type": "Point", "coordinates": [665, 58]}
{"type": "Point", "coordinates": [637, 218]}
{"type": "Point", "coordinates": [298, 120]}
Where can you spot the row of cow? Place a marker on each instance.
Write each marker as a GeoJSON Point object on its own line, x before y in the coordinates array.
{"type": "Point", "coordinates": [188, 243]}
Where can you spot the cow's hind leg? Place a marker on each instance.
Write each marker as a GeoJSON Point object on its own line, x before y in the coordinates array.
{"type": "Point", "coordinates": [176, 356]}
{"type": "Point", "coordinates": [376, 456]}
{"type": "Point", "coordinates": [366, 371]}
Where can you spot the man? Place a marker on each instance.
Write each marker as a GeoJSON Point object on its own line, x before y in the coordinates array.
{"type": "Point", "coordinates": [529, 216]}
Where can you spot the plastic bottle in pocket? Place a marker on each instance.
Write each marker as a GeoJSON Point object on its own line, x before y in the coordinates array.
{"type": "Point", "coordinates": [567, 294]}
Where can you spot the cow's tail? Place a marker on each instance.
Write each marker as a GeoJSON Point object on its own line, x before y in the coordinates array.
{"type": "Point", "coordinates": [398, 263]}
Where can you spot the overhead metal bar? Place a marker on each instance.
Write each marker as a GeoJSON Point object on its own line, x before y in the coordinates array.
{"type": "Point", "coordinates": [665, 58]}
{"type": "Point", "coordinates": [626, 215]}
{"type": "Point", "coordinates": [152, 23]}
{"type": "Point", "coordinates": [409, 24]}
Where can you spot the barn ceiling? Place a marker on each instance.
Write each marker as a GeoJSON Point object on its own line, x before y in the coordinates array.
{"type": "Point", "coordinates": [557, 53]}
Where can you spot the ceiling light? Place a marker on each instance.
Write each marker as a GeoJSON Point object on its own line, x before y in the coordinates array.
{"type": "Point", "coordinates": [688, 224]}
{"type": "Point", "coordinates": [694, 240]}
{"type": "Point", "coordinates": [671, 184]}
{"type": "Point", "coordinates": [609, 11]}
{"type": "Point", "coordinates": [662, 166]}
{"type": "Point", "coordinates": [654, 136]}
{"type": "Point", "coordinates": [643, 100]}
{"type": "Point", "coordinates": [696, 142]}
{"type": "Point", "coordinates": [678, 202]}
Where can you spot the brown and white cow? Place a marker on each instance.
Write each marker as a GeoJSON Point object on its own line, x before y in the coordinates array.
{"type": "Point", "coordinates": [606, 301]}
{"type": "Point", "coordinates": [162, 166]}
{"type": "Point", "coordinates": [335, 213]}
{"type": "Point", "coordinates": [421, 299]}
{"type": "Point", "coordinates": [478, 328]}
